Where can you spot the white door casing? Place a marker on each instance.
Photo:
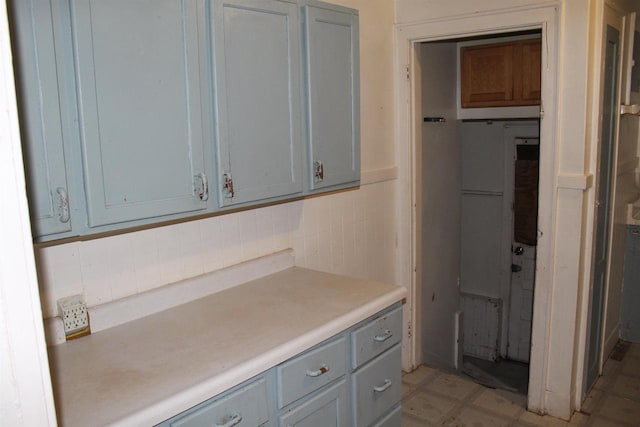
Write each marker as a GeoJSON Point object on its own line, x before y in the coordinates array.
{"type": "Point", "coordinates": [409, 135]}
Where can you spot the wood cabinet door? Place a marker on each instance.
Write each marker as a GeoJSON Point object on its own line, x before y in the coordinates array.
{"type": "Point", "coordinates": [40, 120]}
{"type": "Point", "coordinates": [333, 97]}
{"type": "Point", "coordinates": [137, 76]}
{"type": "Point", "coordinates": [530, 68]}
{"type": "Point", "coordinates": [256, 67]}
{"type": "Point", "coordinates": [487, 75]}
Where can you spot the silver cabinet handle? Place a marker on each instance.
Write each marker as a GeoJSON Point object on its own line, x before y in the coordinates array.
{"type": "Point", "coordinates": [323, 370]}
{"type": "Point", "coordinates": [233, 421]}
{"type": "Point", "coordinates": [63, 204]}
{"type": "Point", "coordinates": [385, 335]}
{"type": "Point", "coordinates": [383, 387]}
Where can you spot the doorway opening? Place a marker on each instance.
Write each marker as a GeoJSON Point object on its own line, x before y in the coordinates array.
{"type": "Point", "coordinates": [478, 213]}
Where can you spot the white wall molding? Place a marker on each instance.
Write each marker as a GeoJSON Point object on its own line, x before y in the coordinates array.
{"type": "Point", "coordinates": [481, 13]}
{"type": "Point", "coordinates": [547, 361]}
{"type": "Point", "coordinates": [572, 181]}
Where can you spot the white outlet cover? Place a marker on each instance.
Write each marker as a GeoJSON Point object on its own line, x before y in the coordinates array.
{"type": "Point", "coordinates": [73, 312]}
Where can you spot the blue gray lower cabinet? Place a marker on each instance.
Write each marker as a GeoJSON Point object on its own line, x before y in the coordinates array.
{"type": "Point", "coordinates": [629, 314]}
{"type": "Point", "coordinates": [329, 385]}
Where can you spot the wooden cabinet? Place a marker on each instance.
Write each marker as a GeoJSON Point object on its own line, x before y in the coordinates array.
{"type": "Point", "coordinates": [139, 93]}
{"type": "Point", "coordinates": [157, 110]}
{"type": "Point", "coordinates": [332, 97]}
{"type": "Point", "coordinates": [326, 409]}
{"type": "Point", "coordinates": [257, 98]}
{"type": "Point", "coordinates": [246, 404]}
{"type": "Point", "coordinates": [319, 387]}
{"type": "Point", "coordinates": [500, 74]}
{"type": "Point", "coordinates": [40, 120]}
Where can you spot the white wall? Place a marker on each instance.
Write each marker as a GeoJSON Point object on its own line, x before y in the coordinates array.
{"type": "Point", "coordinates": [26, 398]}
{"type": "Point", "coordinates": [351, 232]}
{"type": "Point", "coordinates": [439, 263]}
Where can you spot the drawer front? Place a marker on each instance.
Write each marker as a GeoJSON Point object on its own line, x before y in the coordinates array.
{"type": "Point", "coordinates": [377, 387]}
{"type": "Point", "coordinates": [310, 371]}
{"type": "Point", "coordinates": [392, 419]}
{"type": "Point", "coordinates": [376, 336]}
{"type": "Point", "coordinates": [327, 409]}
{"type": "Point", "coordinates": [248, 406]}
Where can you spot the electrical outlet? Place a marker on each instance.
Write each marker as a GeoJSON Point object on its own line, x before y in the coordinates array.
{"type": "Point", "coordinates": [75, 318]}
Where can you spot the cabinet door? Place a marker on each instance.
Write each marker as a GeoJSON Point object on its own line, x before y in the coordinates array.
{"type": "Point", "coordinates": [376, 387]}
{"type": "Point", "coordinates": [333, 99]}
{"type": "Point", "coordinates": [487, 75]}
{"type": "Point", "coordinates": [529, 58]}
{"type": "Point", "coordinates": [140, 115]}
{"type": "Point", "coordinates": [257, 98]}
{"type": "Point", "coordinates": [40, 117]}
{"type": "Point", "coordinates": [326, 409]}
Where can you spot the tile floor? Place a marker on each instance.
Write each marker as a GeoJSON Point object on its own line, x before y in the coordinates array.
{"type": "Point", "coordinates": [431, 397]}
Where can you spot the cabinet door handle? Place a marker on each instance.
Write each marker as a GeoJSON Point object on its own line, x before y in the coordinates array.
{"type": "Point", "coordinates": [202, 186]}
{"type": "Point", "coordinates": [323, 370]}
{"type": "Point", "coordinates": [63, 204]}
{"type": "Point", "coordinates": [318, 171]}
{"type": "Point", "coordinates": [227, 186]}
{"type": "Point", "coordinates": [233, 421]}
{"type": "Point", "coordinates": [383, 387]}
{"type": "Point", "coordinates": [385, 335]}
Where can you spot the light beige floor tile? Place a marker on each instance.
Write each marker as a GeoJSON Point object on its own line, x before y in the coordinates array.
{"type": "Point", "coordinates": [634, 350]}
{"type": "Point", "coordinates": [473, 418]}
{"type": "Point", "coordinates": [611, 367]}
{"type": "Point", "coordinates": [578, 419]}
{"type": "Point", "coordinates": [419, 375]}
{"type": "Point", "coordinates": [604, 383]}
{"type": "Point", "coordinates": [428, 407]}
{"type": "Point", "coordinates": [410, 422]}
{"type": "Point", "coordinates": [452, 385]}
{"type": "Point", "coordinates": [631, 366]}
{"type": "Point", "coordinates": [494, 401]}
{"type": "Point", "coordinates": [592, 400]}
{"type": "Point", "coordinates": [407, 389]}
{"type": "Point", "coordinates": [620, 409]}
{"type": "Point", "coordinates": [626, 386]}
{"type": "Point", "coordinates": [539, 420]}
{"type": "Point", "coordinates": [597, 421]}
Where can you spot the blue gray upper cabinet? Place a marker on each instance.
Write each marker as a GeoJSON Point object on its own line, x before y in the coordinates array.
{"type": "Point", "coordinates": [139, 100]}
{"type": "Point", "coordinates": [40, 118]}
{"type": "Point", "coordinates": [256, 68]}
{"type": "Point", "coordinates": [333, 97]}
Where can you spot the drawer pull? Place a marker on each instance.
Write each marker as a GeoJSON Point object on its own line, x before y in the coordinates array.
{"type": "Point", "coordinates": [323, 370]}
{"type": "Point", "coordinates": [386, 334]}
{"type": "Point", "coordinates": [233, 421]}
{"type": "Point", "coordinates": [383, 387]}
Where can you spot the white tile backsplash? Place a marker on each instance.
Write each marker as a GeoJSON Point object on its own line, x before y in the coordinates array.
{"type": "Point", "coordinates": [350, 232]}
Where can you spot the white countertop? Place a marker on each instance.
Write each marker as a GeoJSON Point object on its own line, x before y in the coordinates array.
{"type": "Point", "coordinates": [147, 370]}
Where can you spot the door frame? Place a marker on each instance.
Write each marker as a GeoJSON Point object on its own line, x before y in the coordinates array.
{"type": "Point", "coordinates": [409, 135]}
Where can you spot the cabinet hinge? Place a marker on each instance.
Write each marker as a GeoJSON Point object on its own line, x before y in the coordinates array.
{"type": "Point", "coordinates": [408, 74]}
{"type": "Point", "coordinates": [227, 185]}
{"type": "Point", "coordinates": [409, 330]}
